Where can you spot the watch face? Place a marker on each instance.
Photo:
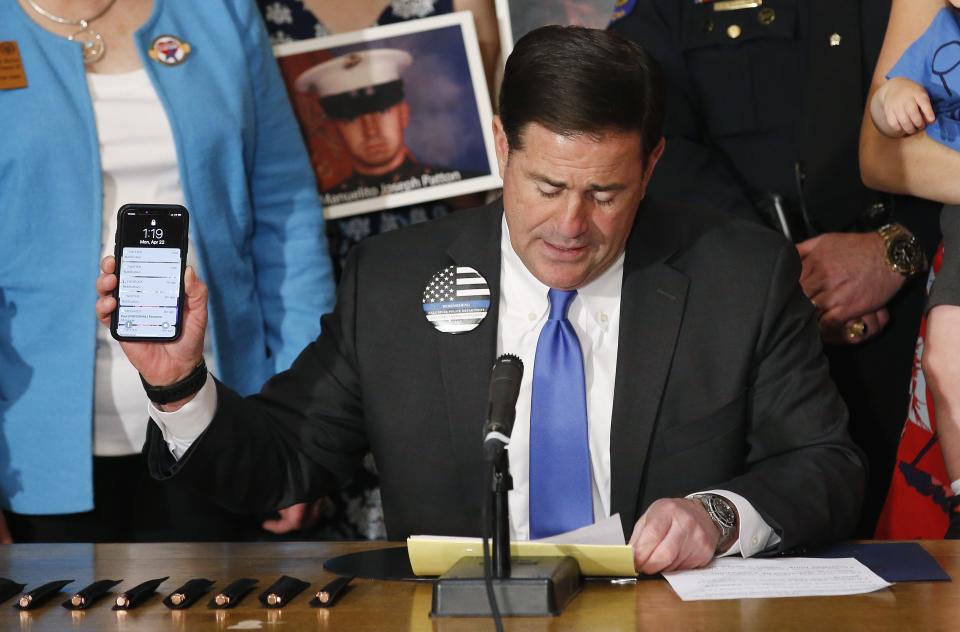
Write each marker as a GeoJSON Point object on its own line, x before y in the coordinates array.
{"type": "Point", "coordinates": [904, 253]}
{"type": "Point", "coordinates": [724, 510]}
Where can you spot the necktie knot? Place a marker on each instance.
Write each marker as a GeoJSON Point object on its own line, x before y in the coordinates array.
{"type": "Point", "coordinates": [560, 303]}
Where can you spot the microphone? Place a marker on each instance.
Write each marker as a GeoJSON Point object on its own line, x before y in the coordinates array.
{"type": "Point", "coordinates": [502, 405]}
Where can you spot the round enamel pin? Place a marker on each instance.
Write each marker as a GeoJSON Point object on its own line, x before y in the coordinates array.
{"type": "Point", "coordinates": [456, 299]}
{"type": "Point", "coordinates": [169, 50]}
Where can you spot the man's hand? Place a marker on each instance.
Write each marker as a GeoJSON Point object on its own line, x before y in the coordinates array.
{"type": "Point", "coordinates": [673, 534]}
{"type": "Point", "coordinates": [295, 517]}
{"type": "Point", "coordinates": [847, 277]}
{"type": "Point", "coordinates": [161, 363]}
{"type": "Point", "coordinates": [5, 537]}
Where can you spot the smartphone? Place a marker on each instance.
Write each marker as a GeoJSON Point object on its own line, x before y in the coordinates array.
{"type": "Point", "coordinates": [151, 251]}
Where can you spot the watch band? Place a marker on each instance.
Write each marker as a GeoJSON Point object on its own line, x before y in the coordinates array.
{"type": "Point", "coordinates": [895, 238]}
{"type": "Point", "coordinates": [726, 525]}
{"type": "Point", "coordinates": [186, 387]}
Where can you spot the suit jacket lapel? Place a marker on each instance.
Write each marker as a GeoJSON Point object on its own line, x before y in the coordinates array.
{"type": "Point", "coordinates": [651, 309]}
{"type": "Point", "coordinates": [466, 358]}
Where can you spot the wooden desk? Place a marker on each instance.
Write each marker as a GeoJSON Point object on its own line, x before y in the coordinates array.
{"type": "Point", "coordinates": [372, 605]}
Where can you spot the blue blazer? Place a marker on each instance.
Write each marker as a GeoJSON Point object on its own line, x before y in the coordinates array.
{"type": "Point", "coordinates": [255, 215]}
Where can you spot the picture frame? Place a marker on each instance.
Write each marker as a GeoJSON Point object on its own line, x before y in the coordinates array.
{"type": "Point", "coordinates": [446, 134]}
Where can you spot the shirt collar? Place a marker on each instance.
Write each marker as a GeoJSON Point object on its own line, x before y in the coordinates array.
{"type": "Point", "coordinates": [524, 297]}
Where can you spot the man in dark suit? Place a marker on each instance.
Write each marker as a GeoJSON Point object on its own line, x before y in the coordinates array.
{"type": "Point", "coordinates": [687, 393]}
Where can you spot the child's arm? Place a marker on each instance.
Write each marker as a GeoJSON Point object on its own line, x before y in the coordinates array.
{"type": "Point", "coordinates": [914, 165]}
{"type": "Point", "coordinates": [901, 107]}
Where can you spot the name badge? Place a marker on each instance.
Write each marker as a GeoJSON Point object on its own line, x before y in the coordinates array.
{"type": "Point", "coordinates": [12, 75]}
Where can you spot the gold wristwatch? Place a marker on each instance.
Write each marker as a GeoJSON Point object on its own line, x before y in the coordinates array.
{"type": "Point", "coordinates": [902, 250]}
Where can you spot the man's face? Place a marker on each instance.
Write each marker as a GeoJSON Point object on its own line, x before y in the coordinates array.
{"type": "Point", "coordinates": [375, 140]}
{"type": "Point", "coordinates": [570, 202]}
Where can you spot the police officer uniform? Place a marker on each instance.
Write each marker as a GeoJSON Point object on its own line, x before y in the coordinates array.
{"type": "Point", "coordinates": [764, 104]}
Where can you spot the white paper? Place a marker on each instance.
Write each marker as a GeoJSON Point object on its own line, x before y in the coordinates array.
{"type": "Point", "coordinates": [607, 531]}
{"type": "Point", "coordinates": [738, 578]}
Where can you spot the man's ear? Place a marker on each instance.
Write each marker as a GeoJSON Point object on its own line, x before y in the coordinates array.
{"type": "Point", "coordinates": [652, 160]}
{"type": "Point", "coordinates": [501, 144]}
{"type": "Point", "coordinates": [404, 114]}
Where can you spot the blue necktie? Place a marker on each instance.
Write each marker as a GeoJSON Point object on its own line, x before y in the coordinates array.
{"type": "Point", "coordinates": [561, 496]}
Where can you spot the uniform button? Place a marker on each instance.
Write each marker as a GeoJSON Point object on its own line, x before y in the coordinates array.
{"type": "Point", "coordinates": [835, 39]}
{"type": "Point", "coordinates": [734, 31]}
{"type": "Point", "coordinates": [766, 16]}
{"type": "Point", "coordinates": [755, 540]}
{"type": "Point", "coordinates": [602, 316]}
{"type": "Point", "coordinates": [531, 317]}
{"type": "Point", "coordinates": [708, 26]}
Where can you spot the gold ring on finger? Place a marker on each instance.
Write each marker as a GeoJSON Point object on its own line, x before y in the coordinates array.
{"type": "Point", "coordinates": [856, 330]}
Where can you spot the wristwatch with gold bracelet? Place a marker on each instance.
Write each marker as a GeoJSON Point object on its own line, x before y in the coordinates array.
{"type": "Point", "coordinates": [902, 250]}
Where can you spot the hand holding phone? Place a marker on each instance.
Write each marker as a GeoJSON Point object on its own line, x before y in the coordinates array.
{"type": "Point", "coordinates": [162, 354]}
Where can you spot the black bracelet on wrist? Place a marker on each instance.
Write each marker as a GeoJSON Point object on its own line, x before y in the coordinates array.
{"type": "Point", "coordinates": [186, 387]}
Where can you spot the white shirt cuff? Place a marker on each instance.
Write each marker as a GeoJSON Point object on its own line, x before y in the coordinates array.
{"type": "Point", "coordinates": [182, 427]}
{"type": "Point", "coordinates": [756, 535]}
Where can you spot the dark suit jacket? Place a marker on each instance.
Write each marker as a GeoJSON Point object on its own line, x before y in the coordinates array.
{"type": "Point", "coordinates": [720, 383]}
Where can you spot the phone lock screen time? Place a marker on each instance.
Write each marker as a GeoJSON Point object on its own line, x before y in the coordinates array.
{"type": "Point", "coordinates": [151, 252]}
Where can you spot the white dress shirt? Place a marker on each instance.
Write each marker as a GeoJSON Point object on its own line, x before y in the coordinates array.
{"type": "Point", "coordinates": [524, 307]}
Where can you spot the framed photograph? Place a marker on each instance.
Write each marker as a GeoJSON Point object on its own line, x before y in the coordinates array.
{"type": "Point", "coordinates": [393, 115]}
{"type": "Point", "coordinates": [516, 18]}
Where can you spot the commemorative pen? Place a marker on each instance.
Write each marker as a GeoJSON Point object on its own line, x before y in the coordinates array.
{"type": "Point", "coordinates": [9, 588]}
{"type": "Point", "coordinates": [40, 594]}
{"type": "Point", "coordinates": [329, 594]}
{"type": "Point", "coordinates": [89, 595]}
{"type": "Point", "coordinates": [184, 596]}
{"type": "Point", "coordinates": [232, 594]}
{"type": "Point", "coordinates": [138, 594]}
{"type": "Point", "coordinates": [282, 591]}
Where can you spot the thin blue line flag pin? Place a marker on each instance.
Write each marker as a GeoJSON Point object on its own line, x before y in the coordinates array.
{"type": "Point", "coordinates": [456, 299]}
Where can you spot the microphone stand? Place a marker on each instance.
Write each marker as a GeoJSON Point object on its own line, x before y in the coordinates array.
{"type": "Point", "coordinates": [527, 586]}
{"type": "Point", "coordinates": [488, 584]}
{"type": "Point", "coordinates": [502, 483]}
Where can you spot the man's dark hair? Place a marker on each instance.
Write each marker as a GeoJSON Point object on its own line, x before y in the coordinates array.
{"type": "Point", "coordinates": [574, 80]}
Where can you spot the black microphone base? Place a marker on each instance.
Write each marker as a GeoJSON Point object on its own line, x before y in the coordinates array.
{"type": "Point", "coordinates": [537, 587]}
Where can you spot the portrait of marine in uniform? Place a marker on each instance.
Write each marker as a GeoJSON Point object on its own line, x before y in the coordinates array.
{"type": "Point", "coordinates": [400, 117]}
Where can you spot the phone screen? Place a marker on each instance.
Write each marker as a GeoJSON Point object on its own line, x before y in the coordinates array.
{"type": "Point", "coordinates": [151, 251]}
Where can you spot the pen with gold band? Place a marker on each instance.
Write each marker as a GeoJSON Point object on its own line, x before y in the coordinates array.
{"type": "Point", "coordinates": [329, 594]}
{"type": "Point", "coordinates": [282, 591]}
{"type": "Point", "coordinates": [91, 594]}
{"type": "Point", "coordinates": [41, 594]}
{"type": "Point", "coordinates": [184, 596]}
{"type": "Point", "coordinates": [232, 594]}
{"type": "Point", "coordinates": [138, 594]}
